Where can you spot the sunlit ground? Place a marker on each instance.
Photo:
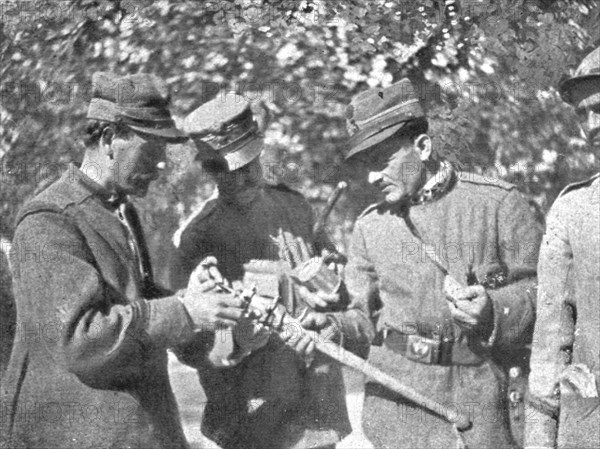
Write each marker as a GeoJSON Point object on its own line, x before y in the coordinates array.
{"type": "Point", "coordinates": [190, 399]}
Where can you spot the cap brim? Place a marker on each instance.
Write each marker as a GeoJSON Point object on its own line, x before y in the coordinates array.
{"type": "Point", "coordinates": [374, 139]}
{"type": "Point", "coordinates": [245, 155]}
{"type": "Point", "coordinates": [170, 134]}
{"type": "Point", "coordinates": [234, 160]}
{"type": "Point", "coordinates": [566, 86]}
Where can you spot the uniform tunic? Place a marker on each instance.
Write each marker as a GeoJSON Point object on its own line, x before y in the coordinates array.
{"type": "Point", "coordinates": [567, 330]}
{"type": "Point", "coordinates": [269, 400]}
{"type": "Point", "coordinates": [89, 365]}
{"type": "Point", "coordinates": [394, 285]}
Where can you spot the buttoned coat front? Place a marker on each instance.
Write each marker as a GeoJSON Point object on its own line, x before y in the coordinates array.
{"type": "Point", "coordinates": [479, 225]}
{"type": "Point", "coordinates": [567, 330]}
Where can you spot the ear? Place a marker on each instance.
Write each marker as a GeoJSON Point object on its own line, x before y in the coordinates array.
{"type": "Point", "coordinates": [422, 146]}
{"type": "Point", "coordinates": [261, 115]}
{"type": "Point", "coordinates": [106, 140]}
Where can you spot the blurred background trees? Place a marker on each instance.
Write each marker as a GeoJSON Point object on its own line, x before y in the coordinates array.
{"type": "Point", "coordinates": [487, 71]}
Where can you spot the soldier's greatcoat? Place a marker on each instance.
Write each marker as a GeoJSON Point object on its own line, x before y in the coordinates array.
{"type": "Point", "coordinates": [270, 399]}
{"type": "Point", "coordinates": [566, 343]}
{"type": "Point", "coordinates": [89, 362]}
{"type": "Point", "coordinates": [393, 283]}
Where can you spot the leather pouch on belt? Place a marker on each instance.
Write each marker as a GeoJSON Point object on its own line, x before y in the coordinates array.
{"type": "Point", "coordinates": [430, 350]}
{"type": "Point", "coordinates": [414, 347]}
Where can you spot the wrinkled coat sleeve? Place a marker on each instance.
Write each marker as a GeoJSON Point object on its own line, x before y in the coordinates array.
{"type": "Point", "coordinates": [357, 321]}
{"type": "Point", "coordinates": [519, 238]}
{"type": "Point", "coordinates": [93, 330]}
{"type": "Point", "coordinates": [549, 354]}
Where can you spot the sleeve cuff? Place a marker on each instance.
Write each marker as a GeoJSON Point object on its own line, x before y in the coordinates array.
{"type": "Point", "coordinates": [168, 323]}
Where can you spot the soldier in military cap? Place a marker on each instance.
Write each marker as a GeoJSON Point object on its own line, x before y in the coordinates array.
{"type": "Point", "coordinates": [441, 278]}
{"type": "Point", "coordinates": [89, 361]}
{"type": "Point", "coordinates": [563, 408]}
{"type": "Point", "coordinates": [262, 400]}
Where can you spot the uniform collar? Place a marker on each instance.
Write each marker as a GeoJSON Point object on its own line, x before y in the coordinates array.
{"type": "Point", "coordinates": [244, 208]}
{"type": "Point", "coordinates": [437, 186]}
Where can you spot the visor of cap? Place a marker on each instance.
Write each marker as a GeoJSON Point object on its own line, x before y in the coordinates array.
{"type": "Point", "coordinates": [170, 134]}
{"type": "Point", "coordinates": [582, 92]}
{"type": "Point", "coordinates": [137, 101]}
{"type": "Point", "coordinates": [244, 155]}
{"type": "Point", "coordinates": [372, 140]}
{"type": "Point", "coordinates": [588, 70]}
{"type": "Point", "coordinates": [383, 125]}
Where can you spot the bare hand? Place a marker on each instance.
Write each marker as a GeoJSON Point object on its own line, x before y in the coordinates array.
{"type": "Point", "coordinates": [471, 306]}
{"type": "Point", "coordinates": [334, 260]}
{"type": "Point", "coordinates": [208, 308]}
{"type": "Point", "coordinates": [250, 335]}
{"type": "Point", "coordinates": [304, 342]}
{"type": "Point", "coordinates": [207, 270]}
{"type": "Point", "coordinates": [319, 300]}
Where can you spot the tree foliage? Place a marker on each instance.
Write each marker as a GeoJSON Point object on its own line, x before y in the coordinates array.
{"type": "Point", "coordinates": [486, 69]}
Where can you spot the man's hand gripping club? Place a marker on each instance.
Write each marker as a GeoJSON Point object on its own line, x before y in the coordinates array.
{"type": "Point", "coordinates": [207, 303]}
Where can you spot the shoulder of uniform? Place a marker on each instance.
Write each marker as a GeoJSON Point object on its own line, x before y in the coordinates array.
{"type": "Point", "coordinates": [53, 198]}
{"type": "Point", "coordinates": [372, 208]}
{"type": "Point", "coordinates": [284, 193]}
{"type": "Point", "coordinates": [577, 185]}
{"type": "Point", "coordinates": [476, 179]}
{"type": "Point", "coordinates": [34, 207]}
{"type": "Point", "coordinates": [198, 218]}
{"type": "Point", "coordinates": [63, 191]}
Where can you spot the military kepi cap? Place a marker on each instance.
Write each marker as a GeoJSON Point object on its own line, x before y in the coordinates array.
{"type": "Point", "coordinates": [228, 128]}
{"type": "Point", "coordinates": [583, 88]}
{"type": "Point", "coordinates": [378, 113]}
{"type": "Point", "coordinates": [138, 101]}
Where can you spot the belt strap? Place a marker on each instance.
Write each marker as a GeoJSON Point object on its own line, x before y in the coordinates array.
{"type": "Point", "coordinates": [431, 351]}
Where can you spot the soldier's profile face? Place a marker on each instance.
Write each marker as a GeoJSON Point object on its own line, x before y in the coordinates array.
{"type": "Point", "coordinates": [395, 168]}
{"type": "Point", "coordinates": [589, 119]}
{"type": "Point", "coordinates": [138, 160]}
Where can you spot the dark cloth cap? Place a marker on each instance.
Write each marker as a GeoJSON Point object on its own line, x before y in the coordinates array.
{"type": "Point", "coordinates": [228, 127]}
{"type": "Point", "coordinates": [583, 88]}
{"type": "Point", "coordinates": [138, 101]}
{"type": "Point", "coordinates": [378, 113]}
